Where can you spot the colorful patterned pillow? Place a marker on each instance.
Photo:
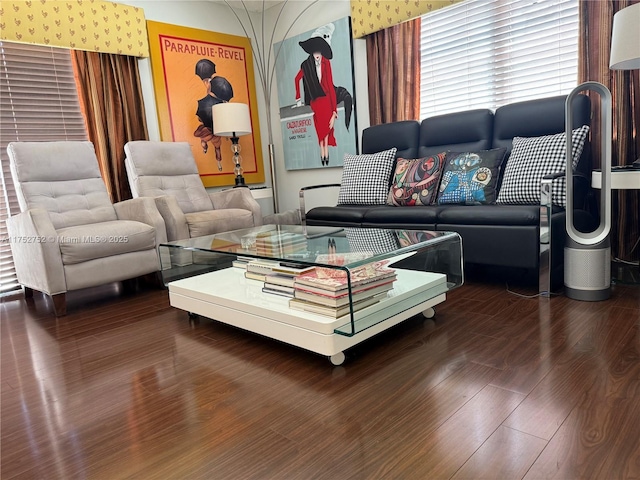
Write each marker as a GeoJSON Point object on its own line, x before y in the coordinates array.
{"type": "Point", "coordinates": [471, 178]}
{"type": "Point", "coordinates": [415, 182]}
{"type": "Point", "coordinates": [534, 157]}
{"type": "Point", "coordinates": [365, 178]}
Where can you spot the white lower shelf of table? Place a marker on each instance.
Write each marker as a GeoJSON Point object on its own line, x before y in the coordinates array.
{"type": "Point", "coordinates": [228, 297]}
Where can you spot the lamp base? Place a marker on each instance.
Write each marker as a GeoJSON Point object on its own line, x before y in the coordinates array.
{"type": "Point", "coordinates": [240, 182]}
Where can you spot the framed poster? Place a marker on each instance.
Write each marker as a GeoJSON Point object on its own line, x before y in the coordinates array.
{"type": "Point", "coordinates": [316, 96]}
{"type": "Point", "coordinates": [193, 70]}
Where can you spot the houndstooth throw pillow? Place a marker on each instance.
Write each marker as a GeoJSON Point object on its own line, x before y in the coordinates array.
{"type": "Point", "coordinates": [365, 178]}
{"type": "Point", "coordinates": [533, 158]}
{"type": "Point", "coordinates": [374, 240]}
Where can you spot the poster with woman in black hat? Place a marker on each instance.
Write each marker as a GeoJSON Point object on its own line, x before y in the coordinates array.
{"type": "Point", "coordinates": [319, 92]}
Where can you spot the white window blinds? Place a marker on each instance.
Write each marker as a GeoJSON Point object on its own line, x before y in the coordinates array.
{"type": "Point", "coordinates": [38, 102]}
{"type": "Point", "coordinates": [479, 54]}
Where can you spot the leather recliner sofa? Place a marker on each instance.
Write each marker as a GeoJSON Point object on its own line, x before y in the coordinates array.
{"type": "Point", "coordinates": [523, 236]}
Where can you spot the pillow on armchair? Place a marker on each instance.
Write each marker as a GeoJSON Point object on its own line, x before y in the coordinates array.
{"type": "Point", "coordinates": [365, 178]}
{"type": "Point", "coordinates": [415, 182]}
{"type": "Point", "coordinates": [534, 157]}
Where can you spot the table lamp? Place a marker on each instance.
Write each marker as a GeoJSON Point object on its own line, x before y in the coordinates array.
{"type": "Point", "coordinates": [232, 120]}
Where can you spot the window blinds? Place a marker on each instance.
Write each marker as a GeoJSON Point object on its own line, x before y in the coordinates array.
{"type": "Point", "coordinates": [38, 102]}
{"type": "Point", "coordinates": [479, 54]}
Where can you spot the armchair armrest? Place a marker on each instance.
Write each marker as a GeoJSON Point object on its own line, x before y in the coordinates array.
{"type": "Point", "coordinates": [237, 198]}
{"type": "Point", "coordinates": [303, 208]}
{"type": "Point", "coordinates": [173, 216]}
{"type": "Point", "coordinates": [36, 254]}
{"type": "Point", "coordinates": [143, 209]}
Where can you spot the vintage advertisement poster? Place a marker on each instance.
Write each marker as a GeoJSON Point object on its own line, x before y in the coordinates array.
{"type": "Point", "coordinates": [316, 96]}
{"type": "Point", "coordinates": [192, 71]}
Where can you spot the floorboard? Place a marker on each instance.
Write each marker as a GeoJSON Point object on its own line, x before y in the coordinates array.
{"type": "Point", "coordinates": [497, 385]}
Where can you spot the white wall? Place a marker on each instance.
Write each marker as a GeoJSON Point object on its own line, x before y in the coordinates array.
{"type": "Point", "coordinates": [219, 18]}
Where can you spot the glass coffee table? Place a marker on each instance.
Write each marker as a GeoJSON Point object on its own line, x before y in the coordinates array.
{"type": "Point", "coordinates": [369, 280]}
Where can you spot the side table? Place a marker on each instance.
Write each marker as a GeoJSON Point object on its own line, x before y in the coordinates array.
{"type": "Point", "coordinates": [621, 179]}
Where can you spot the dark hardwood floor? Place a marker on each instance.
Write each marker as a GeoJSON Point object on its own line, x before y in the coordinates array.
{"type": "Point", "coordinates": [496, 386]}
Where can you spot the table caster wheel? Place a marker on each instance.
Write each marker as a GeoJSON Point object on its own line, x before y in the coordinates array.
{"type": "Point", "coordinates": [337, 359]}
{"type": "Point", "coordinates": [429, 313]}
{"type": "Point", "coordinates": [193, 317]}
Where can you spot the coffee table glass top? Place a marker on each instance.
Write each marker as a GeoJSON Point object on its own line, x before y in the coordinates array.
{"type": "Point", "coordinates": [318, 246]}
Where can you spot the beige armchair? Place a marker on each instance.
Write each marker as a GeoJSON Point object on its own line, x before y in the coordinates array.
{"type": "Point", "coordinates": [69, 235]}
{"type": "Point", "coordinates": [168, 172]}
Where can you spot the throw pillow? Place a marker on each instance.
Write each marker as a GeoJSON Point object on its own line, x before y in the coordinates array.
{"type": "Point", "coordinates": [470, 178]}
{"type": "Point", "coordinates": [533, 158]}
{"type": "Point", "coordinates": [373, 240]}
{"type": "Point", "coordinates": [415, 181]}
{"type": "Point", "coordinates": [365, 178]}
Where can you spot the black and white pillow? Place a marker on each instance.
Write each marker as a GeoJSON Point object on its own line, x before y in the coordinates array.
{"type": "Point", "coordinates": [533, 158]}
{"type": "Point", "coordinates": [365, 178]}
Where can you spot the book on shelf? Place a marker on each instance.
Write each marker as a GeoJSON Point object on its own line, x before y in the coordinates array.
{"type": "Point", "coordinates": [280, 288]}
{"type": "Point", "coordinates": [343, 291]}
{"type": "Point", "coordinates": [342, 300]}
{"type": "Point", "coordinates": [304, 306]}
{"type": "Point", "coordinates": [259, 265]}
{"type": "Point", "coordinates": [280, 279]}
{"type": "Point", "coordinates": [334, 279]}
{"type": "Point", "coordinates": [275, 291]}
{"type": "Point", "coordinates": [255, 276]}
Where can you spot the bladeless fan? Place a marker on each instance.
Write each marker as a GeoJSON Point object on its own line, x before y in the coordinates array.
{"type": "Point", "coordinates": [587, 256]}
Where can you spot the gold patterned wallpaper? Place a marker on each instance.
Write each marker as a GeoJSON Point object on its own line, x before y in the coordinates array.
{"type": "Point", "coordinates": [92, 25]}
{"type": "Point", "coordinates": [368, 16]}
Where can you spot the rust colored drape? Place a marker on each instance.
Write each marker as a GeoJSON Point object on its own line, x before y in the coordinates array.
{"type": "Point", "coordinates": [111, 99]}
{"type": "Point", "coordinates": [393, 59]}
{"type": "Point", "coordinates": [596, 19]}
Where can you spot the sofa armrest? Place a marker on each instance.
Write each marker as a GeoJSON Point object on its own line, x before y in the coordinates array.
{"type": "Point", "coordinates": [36, 254]}
{"type": "Point", "coordinates": [303, 208]}
{"type": "Point", "coordinates": [174, 220]}
{"type": "Point", "coordinates": [237, 198]}
{"type": "Point", "coordinates": [143, 209]}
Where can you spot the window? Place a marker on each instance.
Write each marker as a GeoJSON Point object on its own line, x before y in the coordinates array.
{"type": "Point", "coordinates": [479, 54]}
{"type": "Point", "coordinates": [38, 102]}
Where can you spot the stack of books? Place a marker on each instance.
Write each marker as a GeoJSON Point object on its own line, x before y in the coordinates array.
{"type": "Point", "coordinates": [325, 291]}
{"type": "Point", "coordinates": [241, 262]}
{"type": "Point", "coordinates": [281, 279]}
{"type": "Point", "coordinates": [275, 243]}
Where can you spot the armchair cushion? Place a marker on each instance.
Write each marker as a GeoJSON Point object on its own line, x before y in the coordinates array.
{"type": "Point", "coordinates": [81, 243]}
{"type": "Point", "coordinates": [216, 221]}
{"type": "Point", "coordinates": [73, 192]}
{"type": "Point", "coordinates": [157, 169]}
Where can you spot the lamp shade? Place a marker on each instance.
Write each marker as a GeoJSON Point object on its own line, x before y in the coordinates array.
{"type": "Point", "coordinates": [231, 119]}
{"type": "Point", "coordinates": [625, 39]}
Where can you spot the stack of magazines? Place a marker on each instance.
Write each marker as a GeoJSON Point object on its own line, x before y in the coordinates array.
{"type": "Point", "coordinates": [325, 291]}
{"type": "Point", "coordinates": [281, 279]}
{"type": "Point", "coordinates": [274, 243]}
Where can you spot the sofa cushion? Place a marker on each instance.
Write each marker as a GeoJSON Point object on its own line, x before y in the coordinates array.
{"type": "Point", "coordinates": [81, 243]}
{"type": "Point", "coordinates": [365, 178]}
{"type": "Point", "coordinates": [402, 135]}
{"type": "Point", "coordinates": [217, 221]}
{"type": "Point", "coordinates": [415, 182]}
{"type": "Point", "coordinates": [471, 178]}
{"type": "Point", "coordinates": [459, 132]}
{"type": "Point", "coordinates": [341, 215]}
{"type": "Point", "coordinates": [401, 217]}
{"type": "Point", "coordinates": [533, 158]}
{"type": "Point", "coordinates": [489, 215]}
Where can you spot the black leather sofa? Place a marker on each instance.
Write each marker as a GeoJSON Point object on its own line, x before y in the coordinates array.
{"type": "Point", "coordinates": [497, 235]}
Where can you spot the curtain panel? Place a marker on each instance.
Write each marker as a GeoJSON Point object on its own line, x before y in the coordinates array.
{"type": "Point", "coordinates": [596, 19]}
{"type": "Point", "coordinates": [393, 63]}
{"type": "Point", "coordinates": [111, 98]}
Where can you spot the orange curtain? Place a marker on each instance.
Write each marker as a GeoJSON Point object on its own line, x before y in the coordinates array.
{"type": "Point", "coordinates": [393, 63]}
{"type": "Point", "coordinates": [111, 98]}
{"type": "Point", "coordinates": [596, 19]}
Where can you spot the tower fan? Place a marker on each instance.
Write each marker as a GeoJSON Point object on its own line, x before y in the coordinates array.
{"type": "Point", "coordinates": [587, 256]}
